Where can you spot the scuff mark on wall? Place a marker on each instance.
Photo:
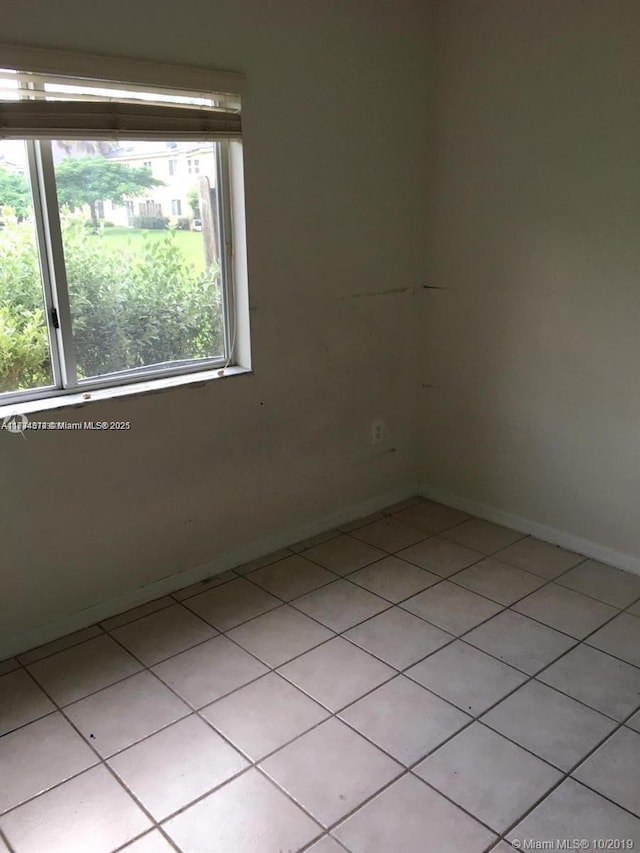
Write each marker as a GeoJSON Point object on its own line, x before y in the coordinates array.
{"type": "Point", "coordinates": [392, 291]}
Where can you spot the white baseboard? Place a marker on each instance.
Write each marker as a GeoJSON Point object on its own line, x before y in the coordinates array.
{"type": "Point", "coordinates": [250, 551]}
{"type": "Point", "coordinates": [541, 531]}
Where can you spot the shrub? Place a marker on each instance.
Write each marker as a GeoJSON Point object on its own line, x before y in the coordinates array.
{"type": "Point", "coordinates": [24, 350]}
{"type": "Point", "coordinates": [102, 223]}
{"type": "Point", "coordinates": [132, 307]}
{"type": "Point", "coordinates": [24, 340]}
{"type": "Point", "coordinates": [19, 270]}
{"type": "Point", "coordinates": [155, 223]}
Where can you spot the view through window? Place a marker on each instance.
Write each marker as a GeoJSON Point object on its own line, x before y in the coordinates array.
{"type": "Point", "coordinates": [144, 281]}
{"type": "Point", "coordinates": [110, 258]}
{"type": "Point", "coordinates": [25, 351]}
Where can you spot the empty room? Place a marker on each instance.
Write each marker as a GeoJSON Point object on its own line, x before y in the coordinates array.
{"type": "Point", "coordinates": [319, 419]}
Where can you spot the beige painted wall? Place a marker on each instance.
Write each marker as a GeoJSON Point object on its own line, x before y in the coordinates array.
{"type": "Point", "coordinates": [335, 198]}
{"type": "Point", "coordinates": [524, 204]}
{"type": "Point", "coordinates": [534, 346]}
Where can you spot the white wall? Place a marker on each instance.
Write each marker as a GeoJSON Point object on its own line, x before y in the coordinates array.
{"type": "Point", "coordinates": [534, 346]}
{"type": "Point", "coordinates": [335, 198]}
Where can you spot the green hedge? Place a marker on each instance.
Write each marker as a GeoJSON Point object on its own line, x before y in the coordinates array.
{"type": "Point", "coordinates": [141, 305]}
{"type": "Point", "coordinates": [154, 223]}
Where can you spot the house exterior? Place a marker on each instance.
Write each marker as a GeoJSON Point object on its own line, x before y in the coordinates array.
{"type": "Point", "coordinates": [181, 166]}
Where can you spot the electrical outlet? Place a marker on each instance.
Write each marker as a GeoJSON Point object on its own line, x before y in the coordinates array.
{"type": "Point", "coordinates": [377, 432]}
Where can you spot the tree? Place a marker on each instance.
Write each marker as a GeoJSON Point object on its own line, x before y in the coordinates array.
{"type": "Point", "coordinates": [14, 192]}
{"type": "Point", "coordinates": [88, 180]}
{"type": "Point", "coordinates": [76, 147]}
{"type": "Point", "coordinates": [194, 202]}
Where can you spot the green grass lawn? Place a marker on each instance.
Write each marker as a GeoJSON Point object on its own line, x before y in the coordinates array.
{"type": "Point", "coordinates": [190, 242]}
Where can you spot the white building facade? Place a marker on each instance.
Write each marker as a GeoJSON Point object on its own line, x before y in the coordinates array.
{"type": "Point", "coordinates": [184, 169]}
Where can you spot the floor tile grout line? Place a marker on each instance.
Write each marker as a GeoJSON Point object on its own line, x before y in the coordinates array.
{"type": "Point", "coordinates": [409, 769]}
{"type": "Point", "coordinates": [575, 698]}
{"type": "Point", "coordinates": [92, 692]}
{"type": "Point", "coordinates": [476, 518]}
{"type": "Point", "coordinates": [331, 826]}
{"type": "Point", "coordinates": [335, 715]}
{"type": "Point", "coordinates": [148, 832]}
{"type": "Point", "coordinates": [308, 847]}
{"type": "Point", "coordinates": [515, 666]}
{"type": "Point", "coordinates": [302, 594]}
{"type": "Point", "coordinates": [100, 627]}
{"type": "Point", "coordinates": [405, 771]}
{"type": "Point", "coordinates": [326, 641]}
{"type": "Point", "coordinates": [567, 774]}
{"type": "Point", "coordinates": [553, 627]}
{"type": "Point", "coordinates": [292, 799]}
{"type": "Point", "coordinates": [472, 719]}
{"type": "Point", "coordinates": [105, 761]}
{"type": "Point", "coordinates": [632, 604]}
{"type": "Point", "coordinates": [49, 713]}
{"type": "Point", "coordinates": [403, 671]}
{"type": "Point", "coordinates": [215, 788]}
{"type": "Point", "coordinates": [4, 839]}
{"type": "Point", "coordinates": [504, 607]}
{"type": "Point", "coordinates": [545, 582]}
{"type": "Point", "coordinates": [314, 541]}
{"type": "Point", "coordinates": [392, 553]}
{"type": "Point", "coordinates": [149, 615]}
{"type": "Point", "coordinates": [282, 746]}
{"type": "Point", "coordinates": [576, 640]}
{"type": "Point", "coordinates": [492, 555]}
{"type": "Point", "coordinates": [593, 597]}
{"type": "Point", "coordinates": [528, 679]}
{"type": "Point", "coordinates": [289, 602]}
{"type": "Point", "coordinates": [103, 630]}
{"type": "Point", "coordinates": [251, 764]}
{"type": "Point", "coordinates": [59, 651]}
{"type": "Point", "coordinates": [273, 669]}
{"type": "Point", "coordinates": [495, 555]}
{"type": "Point", "coordinates": [447, 797]}
{"type": "Point", "coordinates": [100, 762]}
{"type": "Point", "coordinates": [133, 619]}
{"type": "Point", "coordinates": [338, 575]}
{"type": "Point", "coordinates": [534, 677]}
{"type": "Point", "coordinates": [62, 707]}
{"type": "Point", "coordinates": [256, 764]}
{"type": "Point", "coordinates": [441, 579]}
{"type": "Point", "coordinates": [195, 713]}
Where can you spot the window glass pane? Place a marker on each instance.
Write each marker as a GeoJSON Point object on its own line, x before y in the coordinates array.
{"type": "Point", "coordinates": [25, 361]}
{"type": "Point", "coordinates": [141, 254]}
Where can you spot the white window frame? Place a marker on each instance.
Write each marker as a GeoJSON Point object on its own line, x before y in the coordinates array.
{"type": "Point", "coordinates": [67, 389]}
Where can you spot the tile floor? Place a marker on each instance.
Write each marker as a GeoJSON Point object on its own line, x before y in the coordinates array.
{"type": "Point", "coordinates": [416, 681]}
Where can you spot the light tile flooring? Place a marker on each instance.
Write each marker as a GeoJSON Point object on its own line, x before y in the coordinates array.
{"type": "Point", "coordinates": [416, 681]}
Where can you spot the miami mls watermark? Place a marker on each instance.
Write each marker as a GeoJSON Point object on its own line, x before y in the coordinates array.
{"type": "Point", "coordinates": [15, 424]}
{"type": "Point", "coordinates": [18, 424]}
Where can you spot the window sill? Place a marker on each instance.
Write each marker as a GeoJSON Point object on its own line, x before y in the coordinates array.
{"type": "Point", "coordinates": [134, 389]}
